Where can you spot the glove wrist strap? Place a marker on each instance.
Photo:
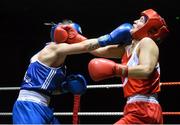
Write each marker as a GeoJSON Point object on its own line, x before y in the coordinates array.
{"type": "Point", "coordinates": [121, 70]}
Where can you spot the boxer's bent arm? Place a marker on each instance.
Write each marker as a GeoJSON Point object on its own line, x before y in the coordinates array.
{"type": "Point", "coordinates": [111, 51]}
{"type": "Point", "coordinates": [78, 48]}
{"type": "Point", "coordinates": [148, 58]}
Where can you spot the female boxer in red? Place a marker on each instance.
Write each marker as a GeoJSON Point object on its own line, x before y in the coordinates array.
{"type": "Point", "coordinates": [139, 69]}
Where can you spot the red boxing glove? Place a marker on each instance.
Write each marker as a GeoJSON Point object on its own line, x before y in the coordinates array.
{"type": "Point", "coordinates": [73, 35]}
{"type": "Point", "coordinates": [59, 35]}
{"type": "Point", "coordinates": [100, 69]}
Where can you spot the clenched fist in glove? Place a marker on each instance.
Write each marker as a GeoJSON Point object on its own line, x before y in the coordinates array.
{"type": "Point", "coordinates": [121, 35]}
{"type": "Point", "coordinates": [75, 84]}
{"type": "Point", "coordinates": [68, 33]}
{"type": "Point", "coordinates": [100, 69]}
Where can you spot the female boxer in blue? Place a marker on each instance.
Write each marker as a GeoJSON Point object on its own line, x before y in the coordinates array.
{"type": "Point", "coordinates": [46, 72]}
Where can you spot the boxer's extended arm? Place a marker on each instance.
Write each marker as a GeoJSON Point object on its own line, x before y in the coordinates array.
{"type": "Point", "coordinates": [120, 35]}
{"type": "Point", "coordinates": [89, 45]}
{"type": "Point", "coordinates": [111, 51]}
{"type": "Point", "coordinates": [78, 48]}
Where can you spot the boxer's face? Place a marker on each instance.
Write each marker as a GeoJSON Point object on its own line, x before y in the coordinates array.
{"type": "Point", "coordinates": [138, 24]}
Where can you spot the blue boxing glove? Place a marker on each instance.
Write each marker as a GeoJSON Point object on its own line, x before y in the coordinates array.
{"type": "Point", "coordinates": [75, 84]}
{"type": "Point", "coordinates": [121, 35]}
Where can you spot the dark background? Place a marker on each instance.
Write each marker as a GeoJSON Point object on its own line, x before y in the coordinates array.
{"type": "Point", "coordinates": [23, 33]}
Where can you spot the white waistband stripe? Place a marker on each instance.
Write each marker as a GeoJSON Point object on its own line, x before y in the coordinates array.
{"type": "Point", "coordinates": [32, 96]}
{"type": "Point", "coordinates": [143, 98]}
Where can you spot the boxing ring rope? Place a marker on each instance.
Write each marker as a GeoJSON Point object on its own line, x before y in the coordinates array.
{"type": "Point", "coordinates": [88, 87]}
{"type": "Point", "coordinates": [98, 86]}
{"type": "Point", "coordinates": [75, 112]}
{"type": "Point", "coordinates": [90, 113]}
